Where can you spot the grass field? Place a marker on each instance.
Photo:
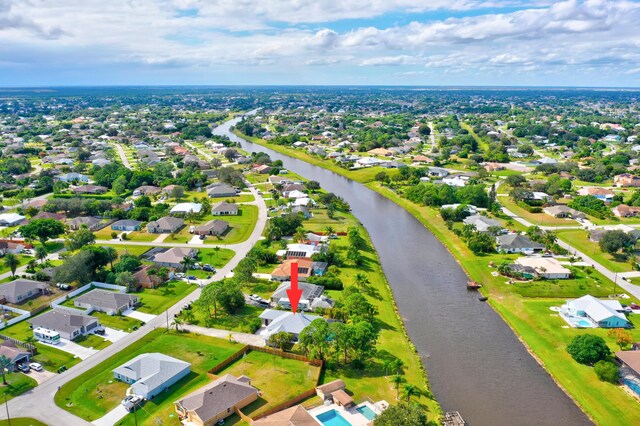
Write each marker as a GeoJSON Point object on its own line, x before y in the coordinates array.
{"type": "Point", "coordinates": [540, 219]}
{"type": "Point", "coordinates": [606, 404]}
{"type": "Point", "coordinates": [92, 341]}
{"type": "Point", "coordinates": [580, 240]}
{"type": "Point", "coordinates": [157, 300]}
{"type": "Point", "coordinates": [117, 322]}
{"type": "Point", "coordinates": [95, 392]}
{"type": "Point", "coordinates": [22, 421]}
{"type": "Point", "coordinates": [17, 383]}
{"type": "Point", "coordinates": [240, 227]}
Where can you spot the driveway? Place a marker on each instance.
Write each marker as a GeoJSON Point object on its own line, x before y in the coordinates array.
{"type": "Point", "coordinates": [75, 349]}
{"type": "Point", "coordinates": [132, 313]}
{"type": "Point", "coordinates": [245, 338]}
{"type": "Point", "coordinates": [40, 376]}
{"type": "Point", "coordinates": [113, 335]}
{"type": "Point", "coordinates": [112, 416]}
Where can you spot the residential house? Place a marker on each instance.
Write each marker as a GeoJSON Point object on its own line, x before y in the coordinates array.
{"type": "Point", "coordinates": [293, 416]}
{"type": "Point", "coordinates": [73, 177]}
{"type": "Point", "coordinates": [623, 210]}
{"type": "Point", "coordinates": [471, 209]}
{"type": "Point", "coordinates": [151, 373]}
{"type": "Point", "coordinates": [217, 400]}
{"type": "Point", "coordinates": [315, 239]}
{"type": "Point", "coordinates": [545, 267]}
{"type": "Point", "coordinates": [274, 321]}
{"type": "Point", "coordinates": [165, 225]}
{"type": "Point", "coordinates": [325, 391]}
{"type": "Point", "coordinates": [92, 223]}
{"type": "Point", "coordinates": [603, 194]}
{"type": "Point", "coordinates": [223, 208]}
{"type": "Point", "coordinates": [15, 247]}
{"type": "Point", "coordinates": [261, 169]}
{"type": "Point", "coordinates": [630, 367]}
{"type": "Point", "coordinates": [48, 215]}
{"type": "Point", "coordinates": [517, 243]}
{"type": "Point", "coordinates": [626, 179]}
{"type": "Point", "coordinates": [169, 189]}
{"type": "Point", "coordinates": [146, 190]}
{"type": "Point", "coordinates": [21, 290]}
{"type": "Point", "coordinates": [90, 189]}
{"type": "Point", "coordinates": [14, 354]}
{"type": "Point", "coordinates": [68, 324]}
{"type": "Point", "coordinates": [11, 219]}
{"type": "Point", "coordinates": [146, 279]}
{"type": "Point", "coordinates": [483, 223]}
{"type": "Point", "coordinates": [109, 302]}
{"type": "Point", "coordinates": [300, 251]}
{"type": "Point", "coordinates": [301, 210]}
{"type": "Point", "coordinates": [602, 313]}
{"type": "Point", "coordinates": [172, 258]}
{"type": "Point", "coordinates": [214, 227]}
{"type": "Point", "coordinates": [218, 190]}
{"type": "Point", "coordinates": [309, 293]}
{"type": "Point", "coordinates": [182, 209]}
{"type": "Point", "coordinates": [563, 211]}
{"type": "Point", "coordinates": [437, 172]}
{"type": "Point", "coordinates": [126, 225]}
{"type": "Point", "coordinates": [282, 272]}
{"type": "Point", "coordinates": [456, 180]}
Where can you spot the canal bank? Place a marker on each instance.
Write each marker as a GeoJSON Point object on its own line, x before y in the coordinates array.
{"type": "Point", "coordinates": [476, 364]}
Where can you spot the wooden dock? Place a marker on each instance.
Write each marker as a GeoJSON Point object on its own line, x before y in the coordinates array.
{"type": "Point", "coordinates": [453, 418]}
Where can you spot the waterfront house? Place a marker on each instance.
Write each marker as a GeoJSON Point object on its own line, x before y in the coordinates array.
{"type": "Point", "coordinates": [274, 321]}
{"type": "Point", "coordinates": [545, 267]}
{"type": "Point", "coordinates": [483, 223]}
{"type": "Point", "coordinates": [603, 313]}
{"type": "Point", "coordinates": [517, 243]}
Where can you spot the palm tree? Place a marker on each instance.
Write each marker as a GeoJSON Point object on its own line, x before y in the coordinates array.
{"type": "Point", "coordinates": [397, 365]}
{"type": "Point", "coordinates": [361, 280]}
{"type": "Point", "coordinates": [409, 390]}
{"type": "Point", "coordinates": [152, 272]}
{"type": "Point", "coordinates": [177, 323]}
{"type": "Point", "coordinates": [300, 235]}
{"type": "Point", "coordinates": [187, 263]}
{"type": "Point", "coordinates": [12, 262]}
{"type": "Point", "coordinates": [31, 265]}
{"type": "Point", "coordinates": [386, 366]}
{"type": "Point", "coordinates": [32, 341]}
{"type": "Point", "coordinates": [5, 363]}
{"type": "Point", "coordinates": [188, 316]}
{"type": "Point", "coordinates": [329, 230]}
{"type": "Point", "coordinates": [397, 380]}
{"type": "Point", "coordinates": [163, 274]}
{"type": "Point", "coordinates": [41, 253]}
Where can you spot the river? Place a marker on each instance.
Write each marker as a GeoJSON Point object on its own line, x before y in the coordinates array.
{"type": "Point", "coordinates": [475, 363]}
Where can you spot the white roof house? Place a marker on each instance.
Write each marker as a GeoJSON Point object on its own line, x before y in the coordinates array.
{"type": "Point", "coordinates": [458, 181]}
{"type": "Point", "coordinates": [10, 219]}
{"type": "Point", "coordinates": [297, 194]}
{"type": "Point", "coordinates": [184, 208]}
{"type": "Point", "coordinates": [605, 313]}
{"type": "Point", "coordinates": [150, 374]}
{"type": "Point", "coordinates": [277, 321]}
{"type": "Point", "coordinates": [368, 161]}
{"type": "Point", "coordinates": [546, 267]}
{"type": "Point", "coordinates": [482, 223]}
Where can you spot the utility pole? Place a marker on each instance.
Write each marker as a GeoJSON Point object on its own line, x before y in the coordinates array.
{"type": "Point", "coordinates": [6, 405]}
{"type": "Point", "coordinates": [167, 312]}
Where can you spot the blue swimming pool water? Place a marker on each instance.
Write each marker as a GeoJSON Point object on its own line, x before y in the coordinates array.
{"type": "Point", "coordinates": [332, 418]}
{"type": "Point", "coordinates": [583, 323]}
{"type": "Point", "coordinates": [367, 412]}
{"type": "Point", "coordinates": [634, 386]}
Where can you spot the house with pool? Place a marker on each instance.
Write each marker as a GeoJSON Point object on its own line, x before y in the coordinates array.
{"type": "Point", "coordinates": [590, 312]}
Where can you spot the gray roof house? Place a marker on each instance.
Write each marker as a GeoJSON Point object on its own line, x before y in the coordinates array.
{"type": "Point", "coordinates": [92, 223]}
{"type": "Point", "coordinates": [223, 208]}
{"type": "Point", "coordinates": [150, 374]}
{"type": "Point", "coordinates": [20, 290]}
{"type": "Point", "coordinates": [275, 321]}
{"type": "Point", "coordinates": [13, 353]}
{"type": "Point", "coordinates": [126, 225]}
{"type": "Point", "coordinates": [165, 225]}
{"type": "Point", "coordinates": [217, 400]}
{"type": "Point", "coordinates": [517, 243]}
{"type": "Point", "coordinates": [221, 190]}
{"type": "Point", "coordinates": [481, 223]}
{"type": "Point", "coordinates": [172, 258]}
{"type": "Point", "coordinates": [213, 227]}
{"type": "Point", "coordinates": [69, 325]}
{"type": "Point", "coordinates": [310, 292]}
{"type": "Point", "coordinates": [110, 302]}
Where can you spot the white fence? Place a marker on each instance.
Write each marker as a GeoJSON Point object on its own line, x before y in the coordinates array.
{"type": "Point", "coordinates": [57, 304]}
{"type": "Point", "coordinates": [22, 315]}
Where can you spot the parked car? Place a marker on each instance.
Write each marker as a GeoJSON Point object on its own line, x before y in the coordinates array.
{"type": "Point", "coordinates": [187, 306]}
{"type": "Point", "coordinates": [264, 303]}
{"type": "Point", "coordinates": [35, 366]}
{"type": "Point", "coordinates": [192, 277]}
{"type": "Point", "coordinates": [202, 237]}
{"type": "Point", "coordinates": [132, 401]}
{"type": "Point", "coordinates": [180, 275]}
{"type": "Point", "coordinates": [634, 306]}
{"type": "Point", "coordinates": [208, 268]}
{"type": "Point", "coordinates": [23, 367]}
{"type": "Point", "coordinates": [100, 332]}
{"type": "Point", "coordinates": [255, 297]}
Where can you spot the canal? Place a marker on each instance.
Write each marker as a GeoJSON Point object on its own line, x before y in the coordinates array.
{"type": "Point", "coordinates": [475, 363]}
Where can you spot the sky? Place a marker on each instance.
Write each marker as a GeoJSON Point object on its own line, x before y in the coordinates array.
{"type": "Point", "coordinates": [320, 42]}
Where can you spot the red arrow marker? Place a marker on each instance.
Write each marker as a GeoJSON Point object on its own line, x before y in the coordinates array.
{"type": "Point", "coordinates": [294, 292]}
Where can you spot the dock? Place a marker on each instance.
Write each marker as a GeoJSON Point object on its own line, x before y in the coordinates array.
{"type": "Point", "coordinates": [453, 418]}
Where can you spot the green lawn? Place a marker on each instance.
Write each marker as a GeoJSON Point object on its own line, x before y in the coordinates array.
{"type": "Point", "coordinates": [24, 259]}
{"type": "Point", "coordinates": [50, 357]}
{"type": "Point", "coordinates": [580, 240]}
{"type": "Point", "coordinates": [17, 383]}
{"type": "Point", "coordinates": [240, 227]}
{"type": "Point", "coordinates": [282, 380]}
{"type": "Point", "coordinates": [22, 421]}
{"type": "Point", "coordinates": [157, 300]}
{"type": "Point", "coordinates": [540, 219]}
{"type": "Point", "coordinates": [95, 392]}
{"type": "Point", "coordinates": [605, 403]}
{"type": "Point", "coordinates": [124, 248]}
{"type": "Point", "coordinates": [118, 322]}
{"type": "Point", "coordinates": [239, 321]}
{"type": "Point", "coordinates": [216, 257]}
{"type": "Point", "coordinates": [92, 341]}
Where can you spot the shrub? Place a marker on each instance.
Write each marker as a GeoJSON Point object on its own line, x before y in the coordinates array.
{"type": "Point", "coordinates": [329, 283]}
{"type": "Point", "coordinates": [588, 349]}
{"type": "Point", "coordinates": [607, 371]}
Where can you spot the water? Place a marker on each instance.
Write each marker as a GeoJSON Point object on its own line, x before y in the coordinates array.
{"type": "Point", "coordinates": [476, 365]}
{"type": "Point", "coordinates": [332, 418]}
{"type": "Point", "coordinates": [367, 412]}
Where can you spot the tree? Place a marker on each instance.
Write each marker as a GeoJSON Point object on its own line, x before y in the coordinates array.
{"type": "Point", "coordinates": [42, 229]}
{"type": "Point", "coordinates": [354, 256]}
{"type": "Point", "coordinates": [177, 192]}
{"type": "Point", "coordinates": [281, 340]}
{"type": "Point", "coordinates": [231, 297]}
{"type": "Point", "coordinates": [41, 253]}
{"type": "Point", "coordinates": [12, 262]}
{"type": "Point", "coordinates": [79, 239]}
{"type": "Point", "coordinates": [5, 363]}
{"type": "Point", "coordinates": [355, 239]}
{"type": "Point", "coordinates": [127, 263]}
{"type": "Point", "coordinates": [515, 180]}
{"type": "Point", "coordinates": [329, 230]}
{"type": "Point", "coordinates": [209, 298]}
{"type": "Point", "coordinates": [397, 380]}
{"type": "Point", "coordinates": [607, 371]}
{"type": "Point", "coordinates": [613, 241]}
{"type": "Point", "coordinates": [342, 338]}
{"type": "Point", "coordinates": [24, 195]}
{"type": "Point", "coordinates": [177, 323]}
{"type": "Point", "coordinates": [143, 201]}
{"type": "Point", "coordinates": [314, 339]}
{"type": "Point", "coordinates": [313, 185]}
{"type": "Point", "coordinates": [300, 235]}
{"type": "Point", "coordinates": [424, 130]}
{"type": "Point", "coordinates": [622, 337]}
{"type": "Point", "coordinates": [588, 349]}
{"type": "Point", "coordinates": [187, 262]}
{"type": "Point", "coordinates": [243, 272]}
{"type": "Point", "coordinates": [403, 415]}
{"type": "Point", "coordinates": [78, 268]}
{"type": "Point", "coordinates": [126, 279]}
{"type": "Point", "coordinates": [409, 390]}
{"type": "Point", "coordinates": [119, 185]}
{"type": "Point", "coordinates": [364, 337]}
{"type": "Point", "coordinates": [361, 280]}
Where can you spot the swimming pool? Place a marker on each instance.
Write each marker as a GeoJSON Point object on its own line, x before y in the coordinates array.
{"type": "Point", "coordinates": [633, 385]}
{"type": "Point", "coordinates": [332, 418]}
{"type": "Point", "coordinates": [583, 323]}
{"type": "Point", "coordinates": [367, 412]}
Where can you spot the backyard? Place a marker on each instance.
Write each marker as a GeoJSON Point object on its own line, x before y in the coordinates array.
{"type": "Point", "coordinates": [157, 300]}
{"type": "Point", "coordinates": [580, 240]}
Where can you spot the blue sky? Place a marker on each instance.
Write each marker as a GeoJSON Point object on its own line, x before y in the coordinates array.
{"type": "Point", "coordinates": [387, 42]}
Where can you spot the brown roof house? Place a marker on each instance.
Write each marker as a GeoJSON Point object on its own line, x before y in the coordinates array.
{"type": "Point", "coordinates": [146, 279]}
{"type": "Point", "coordinates": [626, 179]}
{"type": "Point", "coordinates": [165, 225]}
{"type": "Point", "coordinates": [213, 227]}
{"type": "Point", "coordinates": [224, 209]}
{"type": "Point", "coordinates": [623, 210]}
{"type": "Point", "coordinates": [173, 257]}
{"type": "Point", "coordinates": [217, 400]}
{"type": "Point", "coordinates": [294, 416]}
{"type": "Point", "coordinates": [92, 223]}
{"type": "Point", "coordinates": [326, 391]}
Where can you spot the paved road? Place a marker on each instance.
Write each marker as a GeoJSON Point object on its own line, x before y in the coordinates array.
{"type": "Point", "coordinates": [38, 403]}
{"type": "Point", "coordinates": [200, 151]}
{"type": "Point", "coordinates": [123, 156]}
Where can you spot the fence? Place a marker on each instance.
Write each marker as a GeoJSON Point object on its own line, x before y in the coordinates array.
{"type": "Point", "coordinates": [224, 364]}
{"type": "Point", "coordinates": [314, 362]}
{"type": "Point", "coordinates": [57, 304]}
{"type": "Point", "coordinates": [25, 345]}
{"type": "Point", "coordinates": [287, 404]}
{"type": "Point", "coordinates": [22, 315]}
